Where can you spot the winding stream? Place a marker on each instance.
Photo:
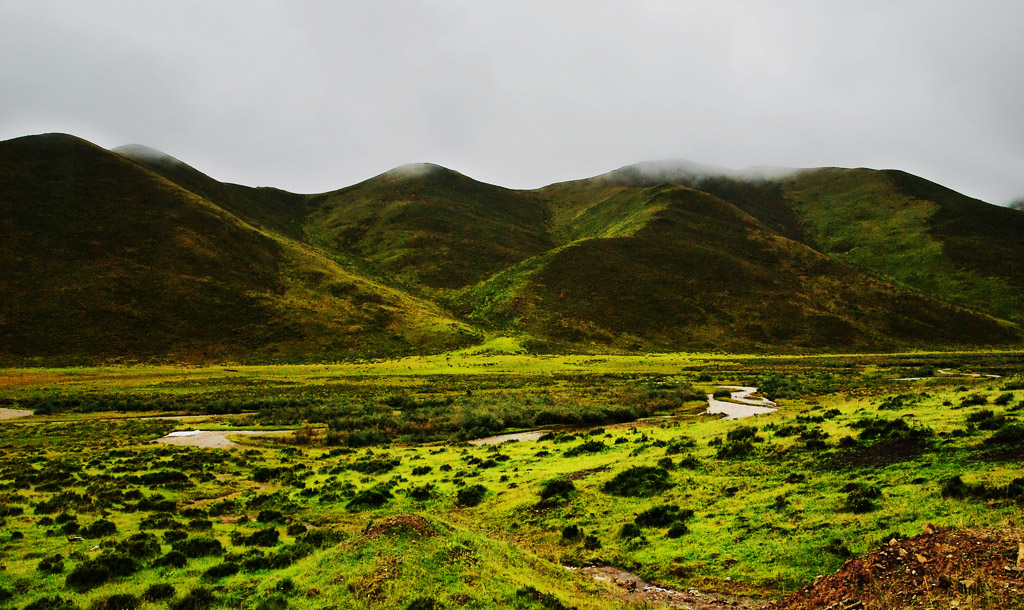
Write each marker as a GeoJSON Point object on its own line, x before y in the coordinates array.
{"type": "Point", "coordinates": [742, 404]}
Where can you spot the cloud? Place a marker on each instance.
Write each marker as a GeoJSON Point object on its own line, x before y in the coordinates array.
{"type": "Point", "coordinates": [313, 96]}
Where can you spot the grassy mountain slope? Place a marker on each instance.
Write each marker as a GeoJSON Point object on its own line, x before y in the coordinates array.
{"type": "Point", "coordinates": [889, 224]}
{"type": "Point", "coordinates": [279, 210]}
{"type": "Point", "coordinates": [695, 272]}
{"type": "Point", "coordinates": [105, 260]}
{"type": "Point", "coordinates": [133, 254]}
{"type": "Point", "coordinates": [926, 237]}
{"type": "Point", "coordinates": [430, 226]}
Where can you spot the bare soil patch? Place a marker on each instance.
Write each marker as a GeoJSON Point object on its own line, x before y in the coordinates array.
{"type": "Point", "coordinates": [635, 590]}
{"type": "Point", "coordinates": [942, 568]}
{"type": "Point", "coordinates": [14, 413]}
{"type": "Point", "coordinates": [216, 439]}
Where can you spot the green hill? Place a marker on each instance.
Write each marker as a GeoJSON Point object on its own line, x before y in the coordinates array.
{"type": "Point", "coordinates": [105, 260]}
{"type": "Point", "coordinates": [696, 272]}
{"type": "Point", "coordinates": [134, 255]}
{"type": "Point", "coordinates": [431, 226]}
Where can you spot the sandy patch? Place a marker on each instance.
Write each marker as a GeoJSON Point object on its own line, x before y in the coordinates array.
{"type": "Point", "coordinates": [532, 435]}
{"type": "Point", "coordinates": [14, 413]}
{"type": "Point", "coordinates": [215, 439]}
{"type": "Point", "coordinates": [742, 404]}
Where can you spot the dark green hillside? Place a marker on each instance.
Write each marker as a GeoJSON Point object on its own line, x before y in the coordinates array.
{"type": "Point", "coordinates": [431, 226]}
{"type": "Point", "coordinates": [922, 235]}
{"type": "Point", "coordinates": [104, 260]}
{"type": "Point", "coordinates": [701, 274]}
{"type": "Point", "coordinates": [279, 210]}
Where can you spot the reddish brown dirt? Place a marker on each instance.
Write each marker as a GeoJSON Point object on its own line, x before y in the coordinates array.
{"type": "Point", "coordinates": [402, 523]}
{"type": "Point", "coordinates": [634, 590]}
{"type": "Point", "coordinates": [940, 569]}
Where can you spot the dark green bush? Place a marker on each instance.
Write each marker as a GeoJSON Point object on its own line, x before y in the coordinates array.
{"type": "Point", "coordinates": [638, 482]}
{"type": "Point", "coordinates": [425, 603]}
{"type": "Point", "coordinates": [53, 564]}
{"type": "Point", "coordinates": [374, 497]}
{"type": "Point", "coordinates": [119, 601]}
{"type": "Point", "coordinates": [529, 597]}
{"type": "Point", "coordinates": [173, 559]}
{"type": "Point", "coordinates": [471, 496]}
{"type": "Point", "coordinates": [158, 591]}
{"type": "Point", "coordinates": [557, 489]}
{"type": "Point", "coordinates": [571, 532]}
{"type": "Point", "coordinates": [99, 529]}
{"type": "Point", "coordinates": [51, 603]}
{"type": "Point", "coordinates": [196, 599]}
{"type": "Point", "coordinates": [199, 547]}
{"type": "Point", "coordinates": [662, 516]}
{"type": "Point", "coordinates": [590, 446]}
{"type": "Point", "coordinates": [630, 530]}
{"type": "Point", "coordinates": [1010, 436]}
{"type": "Point", "coordinates": [268, 516]}
{"type": "Point", "coordinates": [678, 530]}
{"type": "Point", "coordinates": [861, 499]}
{"type": "Point", "coordinates": [221, 570]}
{"type": "Point", "coordinates": [268, 536]}
{"type": "Point", "coordinates": [87, 575]}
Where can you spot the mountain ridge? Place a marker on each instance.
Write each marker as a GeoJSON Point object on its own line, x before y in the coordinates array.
{"type": "Point", "coordinates": [134, 255]}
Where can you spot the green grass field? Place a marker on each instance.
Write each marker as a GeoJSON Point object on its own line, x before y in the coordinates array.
{"type": "Point", "coordinates": [377, 501]}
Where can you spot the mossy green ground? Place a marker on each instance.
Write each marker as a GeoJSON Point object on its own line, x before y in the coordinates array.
{"type": "Point", "coordinates": [769, 513]}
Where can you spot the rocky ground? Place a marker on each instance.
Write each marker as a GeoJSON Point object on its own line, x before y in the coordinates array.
{"type": "Point", "coordinates": [940, 569]}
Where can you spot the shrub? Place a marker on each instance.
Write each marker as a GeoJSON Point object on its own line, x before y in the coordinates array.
{"type": "Point", "coordinates": [88, 575]}
{"type": "Point", "coordinates": [99, 529]}
{"type": "Point", "coordinates": [638, 482]}
{"type": "Point", "coordinates": [51, 603]}
{"type": "Point", "coordinates": [267, 516]}
{"type": "Point", "coordinates": [590, 446]}
{"type": "Point", "coordinates": [221, 570]}
{"type": "Point", "coordinates": [296, 529]}
{"type": "Point", "coordinates": [662, 516]}
{"type": "Point", "coordinates": [421, 470]}
{"type": "Point", "coordinates": [268, 536]}
{"type": "Point", "coordinates": [199, 547]}
{"type": "Point", "coordinates": [630, 530]}
{"type": "Point", "coordinates": [532, 596]}
{"type": "Point", "coordinates": [471, 496]}
{"type": "Point", "coordinates": [571, 532]}
{"type": "Point", "coordinates": [955, 488]}
{"type": "Point", "coordinates": [1003, 399]}
{"type": "Point", "coordinates": [158, 591]}
{"type": "Point", "coordinates": [275, 601]}
{"type": "Point", "coordinates": [374, 497]}
{"type": "Point", "coordinates": [422, 493]}
{"type": "Point", "coordinates": [678, 530]}
{"type": "Point", "coordinates": [722, 393]}
{"type": "Point", "coordinates": [1011, 435]}
{"type": "Point", "coordinates": [860, 499]}
{"type": "Point", "coordinates": [119, 601]}
{"type": "Point", "coordinates": [591, 542]}
{"type": "Point", "coordinates": [142, 545]}
{"type": "Point", "coordinates": [425, 603]}
{"type": "Point", "coordinates": [53, 564]}
{"type": "Point", "coordinates": [557, 489]}
{"type": "Point", "coordinates": [173, 559]}
{"type": "Point", "coordinates": [196, 599]}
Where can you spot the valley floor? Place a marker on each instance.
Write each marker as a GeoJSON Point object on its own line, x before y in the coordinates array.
{"type": "Point", "coordinates": [372, 491]}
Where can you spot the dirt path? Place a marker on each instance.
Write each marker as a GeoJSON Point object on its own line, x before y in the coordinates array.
{"type": "Point", "coordinates": [531, 435]}
{"type": "Point", "coordinates": [215, 439]}
{"type": "Point", "coordinates": [14, 413]}
{"type": "Point", "coordinates": [742, 403]}
{"type": "Point", "coordinates": [635, 590]}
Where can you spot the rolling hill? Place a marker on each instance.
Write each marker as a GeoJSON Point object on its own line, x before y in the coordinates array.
{"type": "Point", "coordinates": [132, 255]}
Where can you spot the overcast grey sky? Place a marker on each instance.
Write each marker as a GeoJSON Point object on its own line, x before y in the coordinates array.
{"type": "Point", "coordinates": [313, 96]}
